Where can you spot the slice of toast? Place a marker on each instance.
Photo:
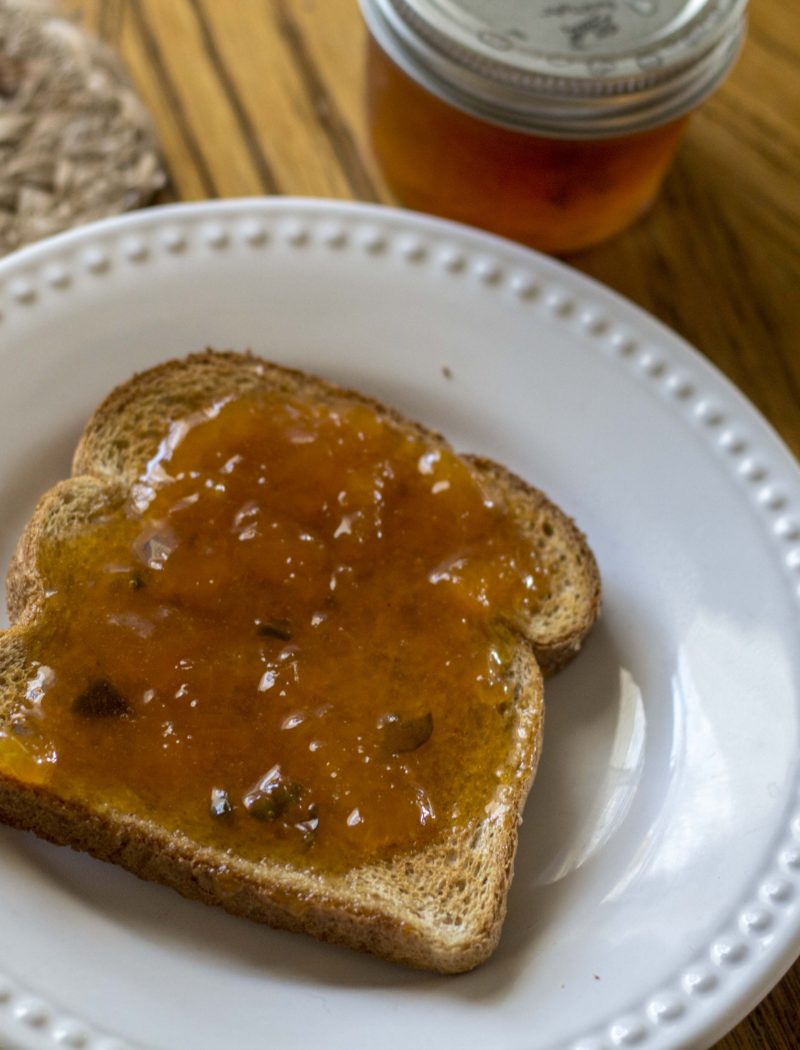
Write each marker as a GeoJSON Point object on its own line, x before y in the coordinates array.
{"type": "Point", "coordinates": [438, 907]}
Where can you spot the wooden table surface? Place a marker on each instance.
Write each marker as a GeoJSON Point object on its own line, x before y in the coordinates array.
{"type": "Point", "coordinates": [264, 96]}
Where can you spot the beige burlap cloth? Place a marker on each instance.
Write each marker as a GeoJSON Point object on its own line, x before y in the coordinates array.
{"type": "Point", "coordinates": [76, 143]}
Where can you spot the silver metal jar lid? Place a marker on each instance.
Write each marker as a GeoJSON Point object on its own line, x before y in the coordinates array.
{"type": "Point", "coordinates": [564, 68]}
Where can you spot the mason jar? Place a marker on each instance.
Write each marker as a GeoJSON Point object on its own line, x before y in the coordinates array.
{"type": "Point", "coordinates": [552, 122]}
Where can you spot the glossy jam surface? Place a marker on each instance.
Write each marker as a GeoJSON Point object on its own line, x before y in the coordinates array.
{"type": "Point", "coordinates": [288, 641]}
{"type": "Point", "coordinates": [558, 195]}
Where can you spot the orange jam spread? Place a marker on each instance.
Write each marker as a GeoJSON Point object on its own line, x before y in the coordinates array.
{"type": "Point", "coordinates": [287, 642]}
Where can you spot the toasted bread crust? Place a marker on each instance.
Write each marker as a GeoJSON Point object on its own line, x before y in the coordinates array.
{"type": "Point", "coordinates": [557, 629]}
{"type": "Point", "coordinates": [438, 908]}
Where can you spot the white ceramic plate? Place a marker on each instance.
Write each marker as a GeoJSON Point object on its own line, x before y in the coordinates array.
{"type": "Point", "coordinates": [657, 893]}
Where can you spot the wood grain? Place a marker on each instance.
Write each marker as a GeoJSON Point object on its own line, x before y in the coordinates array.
{"type": "Point", "coordinates": [265, 96]}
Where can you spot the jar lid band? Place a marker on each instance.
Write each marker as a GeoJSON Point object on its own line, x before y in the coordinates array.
{"type": "Point", "coordinates": [591, 85]}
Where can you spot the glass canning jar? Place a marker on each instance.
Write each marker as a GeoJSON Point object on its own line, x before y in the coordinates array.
{"type": "Point", "coordinates": [552, 122]}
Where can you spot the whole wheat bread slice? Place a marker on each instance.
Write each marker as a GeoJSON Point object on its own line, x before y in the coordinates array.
{"type": "Point", "coordinates": [438, 908]}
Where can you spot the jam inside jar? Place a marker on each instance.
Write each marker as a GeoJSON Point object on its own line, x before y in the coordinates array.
{"type": "Point", "coordinates": [555, 194]}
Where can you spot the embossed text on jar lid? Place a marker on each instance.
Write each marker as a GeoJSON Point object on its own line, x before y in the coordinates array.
{"type": "Point", "coordinates": [577, 68]}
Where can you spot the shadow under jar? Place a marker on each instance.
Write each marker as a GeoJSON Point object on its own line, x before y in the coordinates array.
{"type": "Point", "coordinates": [552, 122]}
